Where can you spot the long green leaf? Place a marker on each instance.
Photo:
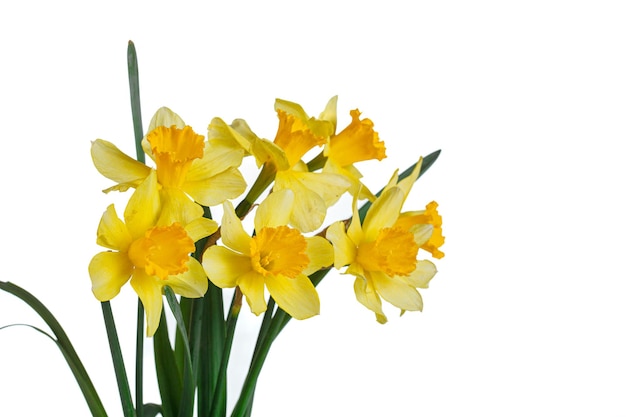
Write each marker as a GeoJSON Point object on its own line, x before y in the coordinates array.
{"type": "Point", "coordinates": [189, 387]}
{"type": "Point", "coordinates": [211, 348]}
{"type": "Point", "coordinates": [168, 374]}
{"type": "Point", "coordinates": [135, 103]}
{"type": "Point", "coordinates": [118, 361]}
{"type": "Point", "coordinates": [218, 408]}
{"type": "Point", "coordinates": [64, 344]}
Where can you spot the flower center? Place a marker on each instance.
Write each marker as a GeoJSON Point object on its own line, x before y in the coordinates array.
{"type": "Point", "coordinates": [279, 251]}
{"type": "Point", "coordinates": [162, 251]}
{"type": "Point", "coordinates": [393, 252]}
{"type": "Point", "coordinates": [174, 150]}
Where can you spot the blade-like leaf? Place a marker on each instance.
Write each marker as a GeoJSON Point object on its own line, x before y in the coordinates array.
{"type": "Point", "coordinates": [71, 357]}
{"type": "Point", "coordinates": [135, 103]}
{"type": "Point", "coordinates": [168, 374]}
{"type": "Point", "coordinates": [189, 387]}
{"type": "Point", "coordinates": [118, 361]}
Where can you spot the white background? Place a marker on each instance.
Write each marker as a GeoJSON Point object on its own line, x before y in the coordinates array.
{"type": "Point", "coordinates": [527, 101]}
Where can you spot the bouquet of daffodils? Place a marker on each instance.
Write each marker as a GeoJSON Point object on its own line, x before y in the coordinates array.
{"type": "Point", "coordinates": [165, 243]}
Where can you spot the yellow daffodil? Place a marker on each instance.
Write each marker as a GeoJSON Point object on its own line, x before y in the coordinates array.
{"type": "Point", "coordinates": [188, 167]}
{"type": "Point", "coordinates": [382, 251]}
{"type": "Point", "coordinates": [355, 143]}
{"type": "Point", "coordinates": [277, 257]}
{"type": "Point", "coordinates": [315, 191]}
{"type": "Point", "coordinates": [150, 255]}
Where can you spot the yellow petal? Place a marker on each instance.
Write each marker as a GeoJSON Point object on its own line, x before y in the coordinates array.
{"type": "Point", "coordinates": [201, 228]}
{"type": "Point", "coordinates": [355, 229]}
{"type": "Point", "coordinates": [177, 207]}
{"type": "Point", "coordinates": [275, 210]}
{"type": "Point", "coordinates": [344, 248]}
{"type": "Point", "coordinates": [163, 117]}
{"type": "Point", "coordinates": [112, 232]}
{"type": "Point", "coordinates": [116, 165]}
{"type": "Point", "coordinates": [239, 136]}
{"type": "Point", "coordinates": [219, 155]}
{"type": "Point", "coordinates": [297, 296]}
{"type": "Point", "coordinates": [167, 118]}
{"type": "Point", "coordinates": [320, 253]}
{"type": "Point", "coordinates": [320, 128]}
{"type": "Point", "coordinates": [215, 190]}
{"type": "Point", "coordinates": [149, 290]}
{"type": "Point", "coordinates": [423, 273]}
{"type": "Point", "coordinates": [353, 176]}
{"type": "Point", "coordinates": [407, 183]}
{"type": "Point", "coordinates": [233, 234]}
{"type": "Point", "coordinates": [224, 267]}
{"type": "Point", "coordinates": [192, 283]}
{"type": "Point", "coordinates": [397, 292]}
{"type": "Point", "coordinates": [309, 209]}
{"type": "Point", "coordinates": [327, 185]}
{"type": "Point", "coordinates": [383, 213]}
{"type": "Point", "coordinates": [265, 151]}
{"type": "Point", "coordinates": [330, 112]}
{"type": "Point", "coordinates": [109, 271]}
{"type": "Point", "coordinates": [367, 296]}
{"type": "Point", "coordinates": [251, 285]}
{"type": "Point", "coordinates": [143, 207]}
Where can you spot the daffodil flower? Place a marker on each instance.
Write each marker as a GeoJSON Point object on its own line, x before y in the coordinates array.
{"type": "Point", "coordinates": [315, 191]}
{"type": "Point", "coordinates": [355, 143]}
{"type": "Point", "coordinates": [277, 257]}
{"type": "Point", "coordinates": [382, 251]}
{"type": "Point", "coordinates": [150, 255]}
{"type": "Point", "coordinates": [188, 167]}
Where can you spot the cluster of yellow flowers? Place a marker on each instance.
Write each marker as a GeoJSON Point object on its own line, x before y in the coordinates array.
{"type": "Point", "coordinates": [153, 245]}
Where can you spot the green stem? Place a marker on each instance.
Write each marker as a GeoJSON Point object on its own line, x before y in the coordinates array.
{"type": "Point", "coordinates": [265, 178]}
{"type": "Point", "coordinates": [317, 163]}
{"type": "Point", "coordinates": [118, 361]}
